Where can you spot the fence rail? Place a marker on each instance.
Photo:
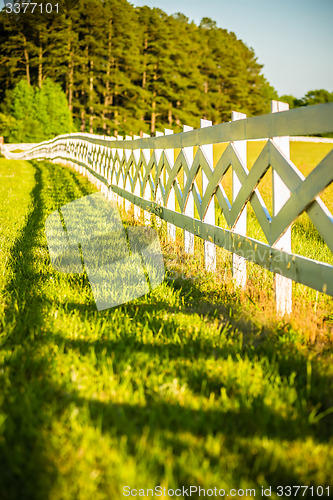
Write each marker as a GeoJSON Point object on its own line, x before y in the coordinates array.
{"type": "Point", "coordinates": [154, 173]}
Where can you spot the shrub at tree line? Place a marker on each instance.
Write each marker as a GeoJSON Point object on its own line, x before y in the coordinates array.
{"type": "Point", "coordinates": [123, 69]}
{"type": "Point", "coordinates": [34, 114]}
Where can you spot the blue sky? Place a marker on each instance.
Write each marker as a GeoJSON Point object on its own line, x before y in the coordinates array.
{"type": "Point", "coordinates": [293, 39]}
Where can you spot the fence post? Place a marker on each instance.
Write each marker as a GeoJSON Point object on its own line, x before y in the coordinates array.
{"type": "Point", "coordinates": [127, 153]}
{"type": "Point", "coordinates": [189, 209]}
{"type": "Point", "coordinates": [137, 192]}
{"type": "Point", "coordinates": [90, 159]}
{"type": "Point", "coordinates": [239, 263]}
{"type": "Point", "coordinates": [111, 174]}
{"type": "Point", "coordinates": [104, 188]}
{"type": "Point", "coordinates": [210, 249]}
{"type": "Point", "coordinates": [158, 190]}
{"type": "Point", "coordinates": [85, 156]}
{"type": "Point", "coordinates": [90, 176]}
{"type": "Point", "coordinates": [171, 202]}
{"type": "Point", "coordinates": [282, 285]}
{"type": "Point", "coordinates": [120, 199]}
{"type": "Point", "coordinates": [147, 189]}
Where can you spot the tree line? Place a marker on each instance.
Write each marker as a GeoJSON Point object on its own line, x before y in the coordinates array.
{"type": "Point", "coordinates": [319, 96]}
{"type": "Point", "coordinates": [129, 69]}
{"type": "Point", "coordinates": [126, 69]}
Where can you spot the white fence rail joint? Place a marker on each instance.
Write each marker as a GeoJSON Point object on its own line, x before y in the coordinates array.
{"type": "Point", "coordinates": [146, 172]}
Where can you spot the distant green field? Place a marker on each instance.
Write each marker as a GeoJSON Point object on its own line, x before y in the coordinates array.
{"type": "Point", "coordinates": [194, 384]}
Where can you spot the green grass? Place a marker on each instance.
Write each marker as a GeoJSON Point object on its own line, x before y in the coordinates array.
{"type": "Point", "coordinates": [193, 384]}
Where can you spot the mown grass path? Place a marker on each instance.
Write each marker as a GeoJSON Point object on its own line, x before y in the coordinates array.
{"type": "Point", "coordinates": [180, 387]}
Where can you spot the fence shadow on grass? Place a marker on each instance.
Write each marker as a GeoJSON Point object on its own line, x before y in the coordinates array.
{"type": "Point", "coordinates": [34, 399]}
{"type": "Point", "coordinates": [283, 356]}
{"type": "Point", "coordinates": [169, 421]}
{"type": "Point", "coordinates": [258, 418]}
{"type": "Point", "coordinates": [26, 470]}
{"type": "Point", "coordinates": [25, 398]}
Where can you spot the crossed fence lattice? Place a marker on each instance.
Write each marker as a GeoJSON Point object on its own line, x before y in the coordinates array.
{"type": "Point", "coordinates": [146, 172]}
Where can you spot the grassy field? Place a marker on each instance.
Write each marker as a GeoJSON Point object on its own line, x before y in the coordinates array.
{"type": "Point", "coordinates": [194, 384]}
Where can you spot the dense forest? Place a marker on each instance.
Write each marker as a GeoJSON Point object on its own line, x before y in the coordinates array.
{"type": "Point", "coordinates": [132, 69]}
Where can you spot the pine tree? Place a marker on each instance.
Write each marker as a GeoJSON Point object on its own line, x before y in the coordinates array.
{"type": "Point", "coordinates": [128, 69]}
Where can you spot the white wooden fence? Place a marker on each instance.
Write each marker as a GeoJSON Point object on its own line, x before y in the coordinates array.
{"type": "Point", "coordinates": [154, 172]}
